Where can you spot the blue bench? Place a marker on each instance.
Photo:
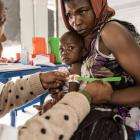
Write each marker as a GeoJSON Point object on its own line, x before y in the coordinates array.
{"type": "Point", "coordinates": [13, 113]}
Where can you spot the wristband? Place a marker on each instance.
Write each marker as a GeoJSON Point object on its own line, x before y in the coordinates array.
{"type": "Point", "coordinates": [87, 94]}
{"type": "Point", "coordinates": [73, 78]}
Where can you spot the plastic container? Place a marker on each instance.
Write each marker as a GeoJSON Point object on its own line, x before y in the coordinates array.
{"type": "Point", "coordinates": [39, 46]}
{"type": "Point", "coordinates": [54, 43]}
{"type": "Point", "coordinates": [24, 56]}
{"type": "Point", "coordinates": [18, 55]}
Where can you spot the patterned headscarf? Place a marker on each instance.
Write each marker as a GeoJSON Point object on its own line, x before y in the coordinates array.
{"type": "Point", "coordinates": [102, 14]}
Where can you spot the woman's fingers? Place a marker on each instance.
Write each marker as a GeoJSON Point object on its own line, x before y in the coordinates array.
{"type": "Point", "coordinates": [60, 76]}
{"type": "Point", "coordinates": [52, 79]}
{"type": "Point", "coordinates": [100, 91]}
{"type": "Point", "coordinates": [54, 85]}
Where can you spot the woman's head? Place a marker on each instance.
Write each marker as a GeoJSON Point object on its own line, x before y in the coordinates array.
{"type": "Point", "coordinates": [2, 21]}
{"type": "Point", "coordinates": [84, 15]}
{"type": "Point", "coordinates": [71, 47]}
{"type": "Point", "coordinates": [80, 15]}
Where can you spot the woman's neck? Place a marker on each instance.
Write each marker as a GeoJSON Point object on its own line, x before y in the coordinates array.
{"type": "Point", "coordinates": [88, 39]}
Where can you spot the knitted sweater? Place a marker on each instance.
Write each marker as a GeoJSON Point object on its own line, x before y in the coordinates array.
{"type": "Point", "coordinates": [15, 94]}
{"type": "Point", "coordinates": [58, 123]}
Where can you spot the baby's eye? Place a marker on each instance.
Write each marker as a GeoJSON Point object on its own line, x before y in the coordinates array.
{"type": "Point", "coordinates": [71, 47]}
{"type": "Point", "coordinates": [61, 50]}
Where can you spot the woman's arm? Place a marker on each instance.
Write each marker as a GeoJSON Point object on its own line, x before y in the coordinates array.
{"type": "Point", "coordinates": [60, 122]}
{"type": "Point", "coordinates": [15, 94]}
{"type": "Point", "coordinates": [123, 46]}
{"type": "Point", "coordinates": [18, 93]}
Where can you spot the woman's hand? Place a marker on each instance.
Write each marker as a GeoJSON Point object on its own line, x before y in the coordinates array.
{"type": "Point", "coordinates": [52, 79]}
{"type": "Point", "coordinates": [100, 91]}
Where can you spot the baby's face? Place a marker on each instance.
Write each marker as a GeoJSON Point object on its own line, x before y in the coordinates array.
{"type": "Point", "coordinates": [71, 51]}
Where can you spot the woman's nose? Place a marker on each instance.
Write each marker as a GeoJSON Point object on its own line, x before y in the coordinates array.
{"type": "Point", "coordinates": [76, 21]}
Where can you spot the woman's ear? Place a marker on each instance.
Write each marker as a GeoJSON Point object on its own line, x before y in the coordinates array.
{"type": "Point", "coordinates": [3, 38]}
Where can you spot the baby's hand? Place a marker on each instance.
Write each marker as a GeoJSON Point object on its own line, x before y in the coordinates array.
{"type": "Point", "coordinates": [49, 104]}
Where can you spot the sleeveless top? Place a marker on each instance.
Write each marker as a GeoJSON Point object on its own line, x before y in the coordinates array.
{"type": "Point", "coordinates": [99, 65]}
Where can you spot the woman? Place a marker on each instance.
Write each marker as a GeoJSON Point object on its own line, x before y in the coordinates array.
{"type": "Point", "coordinates": [110, 50]}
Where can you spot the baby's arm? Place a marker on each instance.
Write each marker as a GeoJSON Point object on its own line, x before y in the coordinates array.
{"type": "Point", "coordinates": [74, 84]}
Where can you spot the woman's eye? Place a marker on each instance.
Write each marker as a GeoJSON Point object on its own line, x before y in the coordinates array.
{"type": "Point", "coordinates": [68, 15]}
{"type": "Point", "coordinates": [83, 12]}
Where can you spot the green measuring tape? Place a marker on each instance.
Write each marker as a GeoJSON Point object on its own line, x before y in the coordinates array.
{"type": "Point", "coordinates": [108, 79]}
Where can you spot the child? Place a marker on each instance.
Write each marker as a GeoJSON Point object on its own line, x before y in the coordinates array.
{"type": "Point", "coordinates": [71, 52]}
{"type": "Point", "coordinates": [71, 49]}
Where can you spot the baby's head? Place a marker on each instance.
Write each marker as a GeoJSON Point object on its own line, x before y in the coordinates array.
{"type": "Point", "coordinates": [71, 47]}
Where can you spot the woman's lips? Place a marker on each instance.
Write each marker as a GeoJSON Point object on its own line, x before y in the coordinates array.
{"type": "Point", "coordinates": [81, 31]}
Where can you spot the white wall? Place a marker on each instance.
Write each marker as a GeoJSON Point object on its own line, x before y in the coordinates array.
{"type": "Point", "coordinates": [61, 26]}
{"type": "Point", "coordinates": [12, 27]}
{"type": "Point", "coordinates": [128, 10]}
{"type": "Point", "coordinates": [34, 21]}
{"type": "Point", "coordinates": [27, 24]}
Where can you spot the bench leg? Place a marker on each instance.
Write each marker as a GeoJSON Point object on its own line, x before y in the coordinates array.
{"type": "Point", "coordinates": [13, 118]}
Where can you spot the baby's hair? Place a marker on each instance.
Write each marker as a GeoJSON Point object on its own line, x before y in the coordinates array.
{"type": "Point", "coordinates": [74, 35]}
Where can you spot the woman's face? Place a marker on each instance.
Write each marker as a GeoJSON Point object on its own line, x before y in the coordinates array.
{"type": "Point", "coordinates": [80, 16]}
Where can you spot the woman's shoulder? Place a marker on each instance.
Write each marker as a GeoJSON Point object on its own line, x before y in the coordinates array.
{"type": "Point", "coordinates": [112, 27]}
{"type": "Point", "coordinates": [113, 34]}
